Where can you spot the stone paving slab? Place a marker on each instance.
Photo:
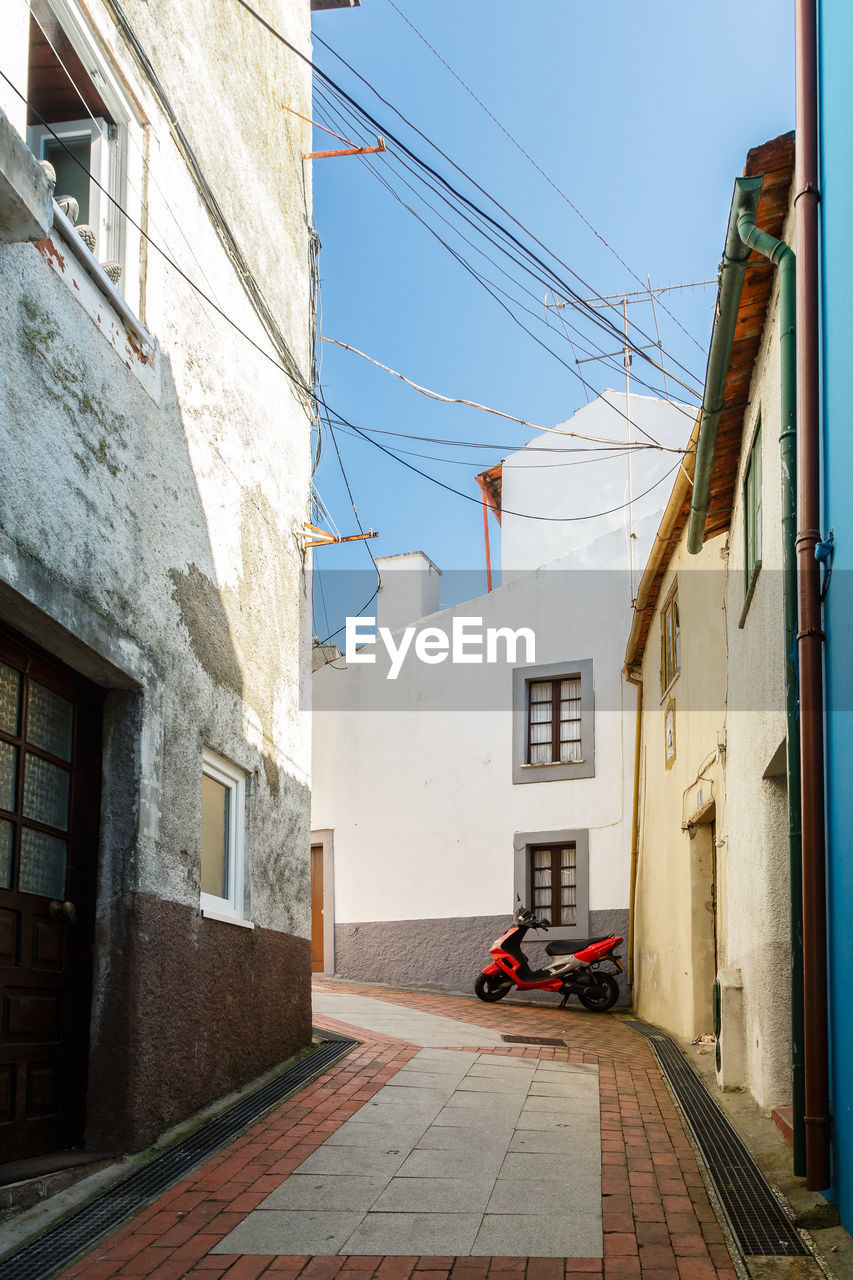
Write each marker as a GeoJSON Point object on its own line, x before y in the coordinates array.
{"type": "Point", "coordinates": [657, 1221]}
{"type": "Point", "coordinates": [338, 1191]}
{"type": "Point", "coordinates": [468, 1137]}
{"type": "Point", "coordinates": [443, 1200]}
{"type": "Point", "coordinates": [291, 1232]}
{"type": "Point", "coordinates": [437, 1193]}
{"type": "Point", "coordinates": [468, 1162]}
{"type": "Point", "coordinates": [355, 1161]}
{"type": "Point", "coordinates": [390, 1234]}
{"type": "Point", "coordinates": [540, 1236]}
{"type": "Point", "coordinates": [403, 1023]}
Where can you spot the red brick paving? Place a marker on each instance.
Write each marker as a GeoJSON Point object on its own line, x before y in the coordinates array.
{"type": "Point", "coordinates": [658, 1222]}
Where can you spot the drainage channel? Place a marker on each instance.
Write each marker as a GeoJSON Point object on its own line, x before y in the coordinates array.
{"type": "Point", "coordinates": [59, 1245]}
{"type": "Point", "coordinates": [545, 1041]}
{"type": "Point", "coordinates": [755, 1216]}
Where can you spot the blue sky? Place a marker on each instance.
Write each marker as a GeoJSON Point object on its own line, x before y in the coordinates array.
{"type": "Point", "coordinates": [641, 114]}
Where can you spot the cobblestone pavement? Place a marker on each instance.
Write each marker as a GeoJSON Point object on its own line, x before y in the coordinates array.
{"type": "Point", "coordinates": [655, 1221]}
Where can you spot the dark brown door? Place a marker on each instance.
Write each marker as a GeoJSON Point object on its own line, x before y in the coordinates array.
{"type": "Point", "coordinates": [317, 940]}
{"type": "Point", "coordinates": [49, 776]}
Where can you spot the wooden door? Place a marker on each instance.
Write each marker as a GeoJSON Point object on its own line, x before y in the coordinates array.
{"type": "Point", "coordinates": [318, 962]}
{"type": "Point", "coordinates": [49, 791]}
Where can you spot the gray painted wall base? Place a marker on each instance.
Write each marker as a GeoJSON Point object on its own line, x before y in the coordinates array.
{"type": "Point", "coordinates": [446, 953]}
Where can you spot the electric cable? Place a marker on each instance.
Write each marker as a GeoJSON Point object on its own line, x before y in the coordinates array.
{"type": "Point", "coordinates": [490, 286]}
{"type": "Point", "coordinates": [315, 395]}
{"type": "Point", "coordinates": [539, 168]}
{"type": "Point", "coordinates": [524, 515]}
{"type": "Point", "coordinates": [445, 182]}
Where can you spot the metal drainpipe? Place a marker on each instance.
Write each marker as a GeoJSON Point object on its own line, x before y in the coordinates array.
{"type": "Point", "coordinates": [810, 635]}
{"type": "Point", "coordinates": [732, 270]}
{"type": "Point", "coordinates": [783, 257]}
{"type": "Point", "coordinates": [635, 820]}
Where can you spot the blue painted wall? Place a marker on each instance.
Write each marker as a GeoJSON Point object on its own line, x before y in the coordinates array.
{"type": "Point", "coordinates": [836, 87]}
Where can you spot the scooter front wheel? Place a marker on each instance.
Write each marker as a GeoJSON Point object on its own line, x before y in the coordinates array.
{"type": "Point", "coordinates": [491, 987]}
{"type": "Point", "coordinates": [600, 995]}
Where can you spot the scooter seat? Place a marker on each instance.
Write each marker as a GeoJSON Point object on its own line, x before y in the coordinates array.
{"type": "Point", "coordinates": [573, 945]}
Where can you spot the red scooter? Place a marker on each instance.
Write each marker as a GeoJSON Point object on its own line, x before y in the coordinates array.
{"type": "Point", "coordinates": [573, 971]}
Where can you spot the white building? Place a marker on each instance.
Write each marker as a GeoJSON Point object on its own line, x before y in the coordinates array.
{"type": "Point", "coordinates": [435, 792]}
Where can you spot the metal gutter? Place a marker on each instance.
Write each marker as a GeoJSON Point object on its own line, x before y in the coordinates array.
{"type": "Point", "coordinates": [732, 271]}
{"type": "Point", "coordinates": [64, 228]}
{"type": "Point", "coordinates": [783, 257]}
{"type": "Point", "coordinates": [636, 680]}
{"type": "Point", "coordinates": [674, 507]}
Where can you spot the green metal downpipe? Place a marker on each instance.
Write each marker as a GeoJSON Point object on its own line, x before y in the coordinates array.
{"type": "Point", "coordinates": [732, 271]}
{"type": "Point", "coordinates": [748, 236]}
{"type": "Point", "coordinates": [783, 257]}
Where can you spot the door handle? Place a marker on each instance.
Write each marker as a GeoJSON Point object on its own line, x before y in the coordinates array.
{"type": "Point", "coordinates": [63, 910]}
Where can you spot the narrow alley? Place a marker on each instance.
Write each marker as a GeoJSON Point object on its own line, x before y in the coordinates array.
{"type": "Point", "coordinates": [436, 1148]}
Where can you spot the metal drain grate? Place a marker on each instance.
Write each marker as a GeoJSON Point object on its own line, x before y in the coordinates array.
{"type": "Point", "coordinates": [59, 1245]}
{"type": "Point", "coordinates": [543, 1040]}
{"type": "Point", "coordinates": [755, 1216]}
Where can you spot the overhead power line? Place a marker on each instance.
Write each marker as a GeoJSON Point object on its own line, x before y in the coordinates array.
{"type": "Point", "coordinates": [562, 286]}
{"type": "Point", "coordinates": [297, 377]}
{"type": "Point", "coordinates": [435, 395]}
{"type": "Point", "coordinates": [537, 167]}
{"type": "Point", "coordinates": [523, 515]}
{"type": "Point", "coordinates": [489, 285]}
{"type": "Point", "coordinates": [315, 395]}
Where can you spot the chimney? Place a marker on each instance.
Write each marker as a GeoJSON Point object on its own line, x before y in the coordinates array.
{"type": "Point", "coordinates": [409, 589]}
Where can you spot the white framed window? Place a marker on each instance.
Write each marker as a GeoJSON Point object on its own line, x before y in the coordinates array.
{"type": "Point", "coordinates": [80, 98]}
{"type": "Point", "coordinates": [223, 839]}
{"type": "Point", "coordinates": [91, 143]}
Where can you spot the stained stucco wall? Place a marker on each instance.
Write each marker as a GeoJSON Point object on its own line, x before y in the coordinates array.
{"type": "Point", "coordinates": [530, 484]}
{"type": "Point", "coordinates": [674, 928]}
{"type": "Point", "coordinates": [158, 526]}
{"type": "Point", "coordinates": [757, 901]}
{"type": "Point", "coordinates": [731, 688]}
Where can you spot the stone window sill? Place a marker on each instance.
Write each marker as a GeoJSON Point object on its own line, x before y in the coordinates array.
{"type": "Point", "coordinates": [224, 918]}
{"type": "Point", "coordinates": [101, 300]}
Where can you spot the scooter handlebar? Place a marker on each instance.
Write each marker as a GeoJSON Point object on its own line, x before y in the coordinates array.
{"type": "Point", "coordinates": [524, 915]}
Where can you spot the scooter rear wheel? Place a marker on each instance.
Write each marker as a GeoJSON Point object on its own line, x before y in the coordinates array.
{"type": "Point", "coordinates": [601, 995]}
{"type": "Point", "coordinates": [491, 987]}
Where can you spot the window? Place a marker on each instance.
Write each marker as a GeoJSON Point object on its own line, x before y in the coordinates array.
{"type": "Point", "coordinates": [223, 820]}
{"type": "Point", "coordinates": [78, 106]}
{"type": "Point", "coordinates": [553, 723]}
{"type": "Point", "coordinates": [552, 876]}
{"type": "Point", "coordinates": [670, 641]}
{"type": "Point", "coordinates": [752, 511]}
{"type": "Point", "coordinates": [90, 143]}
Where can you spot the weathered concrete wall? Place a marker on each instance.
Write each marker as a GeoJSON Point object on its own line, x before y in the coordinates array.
{"type": "Point", "coordinates": [160, 532]}
{"type": "Point", "coordinates": [673, 957]}
{"type": "Point", "coordinates": [732, 682]}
